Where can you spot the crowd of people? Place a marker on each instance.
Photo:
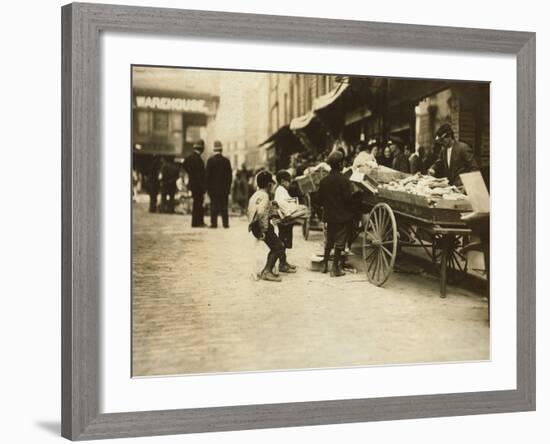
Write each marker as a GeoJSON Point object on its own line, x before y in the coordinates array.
{"type": "Point", "coordinates": [336, 197]}
{"type": "Point", "coordinates": [257, 193]}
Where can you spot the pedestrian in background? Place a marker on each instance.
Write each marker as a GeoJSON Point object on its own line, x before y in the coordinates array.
{"type": "Point", "coordinates": [239, 194]}
{"type": "Point", "coordinates": [194, 167]}
{"type": "Point", "coordinates": [152, 183]}
{"type": "Point", "coordinates": [218, 184]}
{"type": "Point", "coordinates": [400, 160]}
{"type": "Point", "coordinates": [417, 161]}
{"type": "Point", "coordinates": [386, 159]}
{"type": "Point", "coordinates": [169, 174]}
{"type": "Point", "coordinates": [336, 199]}
{"type": "Point", "coordinates": [259, 214]}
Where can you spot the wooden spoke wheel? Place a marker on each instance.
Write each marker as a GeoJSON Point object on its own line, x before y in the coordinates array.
{"type": "Point", "coordinates": [306, 226]}
{"type": "Point", "coordinates": [380, 244]}
{"type": "Point", "coordinates": [457, 263]}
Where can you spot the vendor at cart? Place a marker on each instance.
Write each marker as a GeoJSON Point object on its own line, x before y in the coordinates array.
{"type": "Point", "coordinates": [366, 156]}
{"type": "Point", "coordinates": [455, 157]}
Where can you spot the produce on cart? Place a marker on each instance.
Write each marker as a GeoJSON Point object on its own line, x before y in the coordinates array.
{"type": "Point", "coordinates": [411, 211]}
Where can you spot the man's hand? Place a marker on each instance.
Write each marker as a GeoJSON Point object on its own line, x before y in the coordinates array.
{"type": "Point", "coordinates": [431, 172]}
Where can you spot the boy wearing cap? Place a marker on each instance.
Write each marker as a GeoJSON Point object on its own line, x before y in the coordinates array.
{"type": "Point", "coordinates": [336, 199]}
{"type": "Point", "coordinates": [283, 201]}
{"type": "Point", "coordinates": [259, 213]}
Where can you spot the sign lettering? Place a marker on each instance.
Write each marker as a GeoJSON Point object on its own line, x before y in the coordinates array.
{"type": "Point", "coordinates": [172, 104]}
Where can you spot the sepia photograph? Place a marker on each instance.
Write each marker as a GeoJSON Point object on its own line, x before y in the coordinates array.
{"type": "Point", "coordinates": [297, 221]}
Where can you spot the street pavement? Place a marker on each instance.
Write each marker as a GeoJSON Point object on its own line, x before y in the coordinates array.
{"type": "Point", "coordinates": [197, 307]}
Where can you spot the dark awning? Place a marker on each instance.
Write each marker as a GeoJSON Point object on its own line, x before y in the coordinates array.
{"type": "Point", "coordinates": [284, 141]}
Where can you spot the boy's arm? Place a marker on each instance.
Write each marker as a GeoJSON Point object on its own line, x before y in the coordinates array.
{"type": "Point", "coordinates": [263, 214]}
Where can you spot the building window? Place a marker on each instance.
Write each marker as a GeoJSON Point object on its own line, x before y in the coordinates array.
{"type": "Point", "coordinates": [160, 122]}
{"type": "Point", "coordinates": [142, 123]}
{"type": "Point", "coordinates": [286, 109]}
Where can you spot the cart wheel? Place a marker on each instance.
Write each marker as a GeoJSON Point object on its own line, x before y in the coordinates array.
{"type": "Point", "coordinates": [380, 244]}
{"type": "Point", "coordinates": [457, 263]}
{"type": "Point", "coordinates": [306, 226]}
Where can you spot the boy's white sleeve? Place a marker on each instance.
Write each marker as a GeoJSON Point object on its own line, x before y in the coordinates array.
{"type": "Point", "coordinates": [283, 199]}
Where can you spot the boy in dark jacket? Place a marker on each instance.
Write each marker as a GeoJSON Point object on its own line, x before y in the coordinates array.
{"type": "Point", "coordinates": [336, 200]}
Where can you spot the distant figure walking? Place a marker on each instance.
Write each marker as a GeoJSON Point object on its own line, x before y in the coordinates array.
{"type": "Point", "coordinates": [194, 167]}
{"type": "Point", "coordinates": [240, 191]}
{"type": "Point", "coordinates": [218, 184]}
{"type": "Point", "coordinates": [169, 176]}
{"type": "Point", "coordinates": [152, 183]}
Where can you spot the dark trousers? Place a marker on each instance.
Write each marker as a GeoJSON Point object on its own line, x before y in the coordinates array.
{"type": "Point", "coordinates": [218, 207]}
{"type": "Point", "coordinates": [197, 219]}
{"type": "Point", "coordinates": [337, 235]}
{"type": "Point", "coordinates": [167, 203]}
{"type": "Point", "coordinates": [153, 202]}
{"type": "Point", "coordinates": [285, 236]}
{"type": "Point", "coordinates": [276, 248]}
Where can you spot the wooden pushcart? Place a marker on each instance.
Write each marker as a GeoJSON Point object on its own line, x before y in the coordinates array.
{"type": "Point", "coordinates": [394, 221]}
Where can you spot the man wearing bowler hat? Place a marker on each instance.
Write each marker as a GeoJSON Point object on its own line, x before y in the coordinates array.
{"type": "Point", "coordinates": [194, 166]}
{"type": "Point", "coordinates": [218, 184]}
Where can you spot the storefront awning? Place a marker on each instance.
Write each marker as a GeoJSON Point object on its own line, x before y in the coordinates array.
{"type": "Point", "coordinates": [284, 141]}
{"type": "Point", "coordinates": [328, 99]}
{"type": "Point", "coordinates": [301, 122]}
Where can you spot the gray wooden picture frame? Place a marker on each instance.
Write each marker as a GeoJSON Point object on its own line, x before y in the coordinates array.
{"type": "Point", "coordinates": [81, 231]}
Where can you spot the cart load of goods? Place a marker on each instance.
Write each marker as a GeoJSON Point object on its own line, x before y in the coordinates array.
{"type": "Point", "coordinates": [426, 191]}
{"type": "Point", "coordinates": [310, 180]}
{"type": "Point", "coordinates": [381, 173]}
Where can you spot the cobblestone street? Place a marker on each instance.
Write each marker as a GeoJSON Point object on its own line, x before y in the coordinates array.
{"type": "Point", "coordinates": [198, 309]}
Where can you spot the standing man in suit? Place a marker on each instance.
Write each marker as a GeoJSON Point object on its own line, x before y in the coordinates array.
{"type": "Point", "coordinates": [454, 158]}
{"type": "Point", "coordinates": [218, 184]}
{"type": "Point", "coordinates": [194, 166]}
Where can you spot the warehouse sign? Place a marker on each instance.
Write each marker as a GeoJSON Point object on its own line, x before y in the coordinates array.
{"type": "Point", "coordinates": [172, 104]}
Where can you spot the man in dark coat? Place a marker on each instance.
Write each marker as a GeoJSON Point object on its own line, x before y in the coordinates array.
{"type": "Point", "coordinates": [169, 173]}
{"type": "Point", "coordinates": [194, 167]}
{"type": "Point", "coordinates": [152, 182]}
{"type": "Point", "coordinates": [336, 199]}
{"type": "Point", "coordinates": [417, 161]}
{"type": "Point", "coordinates": [454, 158]}
{"type": "Point", "coordinates": [218, 184]}
{"type": "Point", "coordinates": [400, 160]}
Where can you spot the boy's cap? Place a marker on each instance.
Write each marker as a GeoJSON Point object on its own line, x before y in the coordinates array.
{"type": "Point", "coordinates": [283, 175]}
{"type": "Point", "coordinates": [263, 179]}
{"type": "Point", "coordinates": [335, 157]}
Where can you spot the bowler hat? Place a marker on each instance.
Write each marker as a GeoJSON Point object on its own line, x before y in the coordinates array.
{"type": "Point", "coordinates": [217, 145]}
{"type": "Point", "coordinates": [199, 145]}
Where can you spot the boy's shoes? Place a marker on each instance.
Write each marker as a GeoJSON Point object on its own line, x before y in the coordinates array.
{"type": "Point", "coordinates": [269, 276]}
{"type": "Point", "coordinates": [287, 268]}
